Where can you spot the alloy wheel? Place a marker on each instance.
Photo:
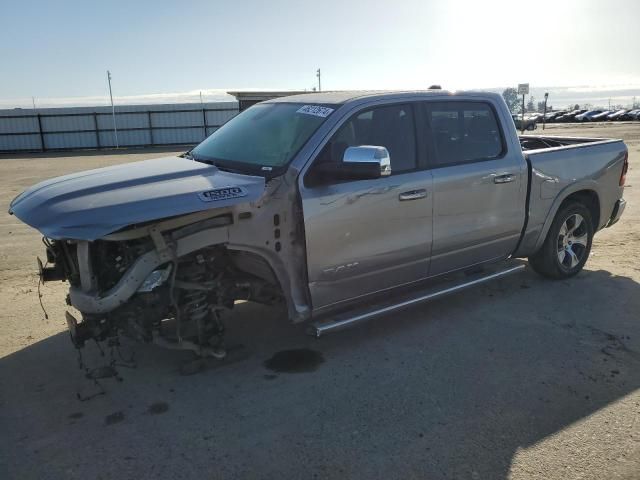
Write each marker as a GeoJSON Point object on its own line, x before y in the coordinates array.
{"type": "Point", "coordinates": [572, 241]}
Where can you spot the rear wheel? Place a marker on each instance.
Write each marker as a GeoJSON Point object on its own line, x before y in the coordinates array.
{"type": "Point", "coordinates": [568, 243]}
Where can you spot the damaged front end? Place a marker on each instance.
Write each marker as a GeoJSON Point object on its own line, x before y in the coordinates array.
{"type": "Point", "coordinates": [159, 250]}
{"type": "Point", "coordinates": [171, 288]}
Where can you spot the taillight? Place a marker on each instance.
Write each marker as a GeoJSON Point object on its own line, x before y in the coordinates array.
{"type": "Point", "coordinates": [625, 167]}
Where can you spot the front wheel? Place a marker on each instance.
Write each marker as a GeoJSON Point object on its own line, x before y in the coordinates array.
{"type": "Point", "coordinates": [568, 243]}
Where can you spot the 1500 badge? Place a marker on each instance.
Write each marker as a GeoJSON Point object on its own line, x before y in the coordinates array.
{"type": "Point", "coordinates": [224, 193]}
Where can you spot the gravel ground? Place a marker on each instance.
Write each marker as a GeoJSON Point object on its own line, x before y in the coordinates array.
{"type": "Point", "coordinates": [523, 378]}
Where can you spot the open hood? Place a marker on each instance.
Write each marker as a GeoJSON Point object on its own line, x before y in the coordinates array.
{"type": "Point", "coordinates": [88, 205]}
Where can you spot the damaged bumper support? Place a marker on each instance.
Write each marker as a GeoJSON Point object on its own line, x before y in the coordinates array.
{"type": "Point", "coordinates": [87, 300]}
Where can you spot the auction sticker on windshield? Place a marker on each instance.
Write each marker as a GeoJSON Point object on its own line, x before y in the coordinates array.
{"type": "Point", "coordinates": [316, 110]}
{"type": "Point", "coordinates": [222, 194]}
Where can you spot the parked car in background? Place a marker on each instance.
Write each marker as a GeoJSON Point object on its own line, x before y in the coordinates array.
{"type": "Point", "coordinates": [630, 115]}
{"type": "Point", "coordinates": [601, 117]}
{"type": "Point", "coordinates": [552, 116]}
{"type": "Point", "coordinates": [617, 114]}
{"type": "Point", "coordinates": [569, 117]}
{"type": "Point", "coordinates": [536, 116]}
{"type": "Point", "coordinates": [587, 116]}
{"type": "Point", "coordinates": [526, 124]}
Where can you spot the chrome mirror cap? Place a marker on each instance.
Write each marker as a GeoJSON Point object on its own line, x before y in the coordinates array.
{"type": "Point", "coordinates": [369, 154]}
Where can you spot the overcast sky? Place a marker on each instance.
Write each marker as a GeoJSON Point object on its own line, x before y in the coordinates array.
{"type": "Point", "coordinates": [63, 48]}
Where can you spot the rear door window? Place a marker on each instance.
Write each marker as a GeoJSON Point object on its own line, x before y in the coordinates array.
{"type": "Point", "coordinates": [463, 132]}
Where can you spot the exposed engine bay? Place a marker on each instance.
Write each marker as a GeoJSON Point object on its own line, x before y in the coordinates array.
{"type": "Point", "coordinates": [161, 250]}
{"type": "Point", "coordinates": [181, 303]}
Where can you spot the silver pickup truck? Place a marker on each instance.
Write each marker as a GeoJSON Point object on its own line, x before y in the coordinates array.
{"type": "Point", "coordinates": [339, 206]}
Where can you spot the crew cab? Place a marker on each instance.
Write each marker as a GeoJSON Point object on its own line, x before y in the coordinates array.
{"type": "Point", "coordinates": [331, 204]}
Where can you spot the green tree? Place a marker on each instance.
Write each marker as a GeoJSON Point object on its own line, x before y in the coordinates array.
{"type": "Point", "coordinates": [510, 96]}
{"type": "Point", "coordinates": [531, 104]}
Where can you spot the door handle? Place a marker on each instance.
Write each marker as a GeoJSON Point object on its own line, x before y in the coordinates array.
{"type": "Point", "coordinates": [506, 178]}
{"type": "Point", "coordinates": [412, 195]}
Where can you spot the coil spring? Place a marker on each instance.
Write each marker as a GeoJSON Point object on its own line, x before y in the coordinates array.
{"type": "Point", "coordinates": [194, 302]}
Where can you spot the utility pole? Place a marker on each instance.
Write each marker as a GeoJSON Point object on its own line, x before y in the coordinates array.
{"type": "Point", "coordinates": [544, 115]}
{"type": "Point", "coordinates": [113, 110]}
{"type": "Point", "coordinates": [319, 84]}
{"type": "Point", "coordinates": [33, 101]}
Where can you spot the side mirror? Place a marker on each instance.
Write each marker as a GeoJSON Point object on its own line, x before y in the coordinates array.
{"type": "Point", "coordinates": [366, 161]}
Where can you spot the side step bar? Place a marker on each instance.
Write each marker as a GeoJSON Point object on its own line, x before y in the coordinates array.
{"type": "Point", "coordinates": [320, 328]}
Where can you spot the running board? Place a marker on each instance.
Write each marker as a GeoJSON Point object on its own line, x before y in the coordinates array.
{"type": "Point", "coordinates": [320, 328]}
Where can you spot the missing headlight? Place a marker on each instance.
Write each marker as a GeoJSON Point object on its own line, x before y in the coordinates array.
{"type": "Point", "coordinates": [155, 279]}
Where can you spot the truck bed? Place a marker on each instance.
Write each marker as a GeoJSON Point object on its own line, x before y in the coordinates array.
{"type": "Point", "coordinates": [561, 166]}
{"type": "Point", "coordinates": [539, 142]}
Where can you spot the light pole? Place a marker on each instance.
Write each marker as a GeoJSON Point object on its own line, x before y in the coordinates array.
{"type": "Point", "coordinates": [319, 85]}
{"type": "Point", "coordinates": [522, 124]}
{"type": "Point", "coordinates": [544, 116]}
{"type": "Point", "coordinates": [113, 110]}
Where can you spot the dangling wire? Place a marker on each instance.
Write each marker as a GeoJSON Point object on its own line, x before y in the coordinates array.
{"type": "Point", "coordinates": [99, 347]}
{"type": "Point", "coordinates": [80, 360]}
{"type": "Point", "coordinates": [85, 398]}
{"type": "Point", "coordinates": [172, 299]}
{"type": "Point", "coordinates": [46, 316]}
{"type": "Point", "coordinates": [114, 348]}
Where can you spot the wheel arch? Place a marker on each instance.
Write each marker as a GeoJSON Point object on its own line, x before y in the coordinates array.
{"type": "Point", "coordinates": [586, 195]}
{"type": "Point", "coordinates": [590, 199]}
{"type": "Point", "coordinates": [298, 306]}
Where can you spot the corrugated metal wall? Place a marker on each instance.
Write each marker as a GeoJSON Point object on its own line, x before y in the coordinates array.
{"type": "Point", "coordinates": [92, 127]}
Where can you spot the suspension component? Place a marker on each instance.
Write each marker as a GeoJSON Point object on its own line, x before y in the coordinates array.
{"type": "Point", "coordinates": [195, 306]}
{"type": "Point", "coordinates": [198, 316]}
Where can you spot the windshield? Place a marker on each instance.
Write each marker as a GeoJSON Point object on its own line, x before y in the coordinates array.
{"type": "Point", "coordinates": [263, 137]}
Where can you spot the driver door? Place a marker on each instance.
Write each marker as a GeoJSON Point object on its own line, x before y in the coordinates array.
{"type": "Point", "coordinates": [365, 236]}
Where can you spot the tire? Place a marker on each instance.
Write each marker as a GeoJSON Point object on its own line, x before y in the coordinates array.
{"type": "Point", "coordinates": [531, 126]}
{"type": "Point", "coordinates": [568, 243]}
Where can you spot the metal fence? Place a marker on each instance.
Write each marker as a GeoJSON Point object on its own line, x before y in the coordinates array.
{"type": "Point", "coordinates": [92, 127]}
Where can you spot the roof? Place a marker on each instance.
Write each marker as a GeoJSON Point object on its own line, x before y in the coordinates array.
{"type": "Point", "coordinates": [331, 97]}
{"type": "Point", "coordinates": [340, 97]}
{"type": "Point", "coordinates": [263, 95]}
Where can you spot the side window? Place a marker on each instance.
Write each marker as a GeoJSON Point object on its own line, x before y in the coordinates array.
{"type": "Point", "coordinates": [391, 127]}
{"type": "Point", "coordinates": [463, 132]}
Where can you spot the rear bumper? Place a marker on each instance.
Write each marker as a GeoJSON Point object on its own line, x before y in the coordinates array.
{"type": "Point", "coordinates": [618, 208]}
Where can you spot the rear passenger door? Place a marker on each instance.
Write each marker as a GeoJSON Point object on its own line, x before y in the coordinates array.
{"type": "Point", "coordinates": [479, 185]}
{"type": "Point", "coordinates": [364, 236]}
